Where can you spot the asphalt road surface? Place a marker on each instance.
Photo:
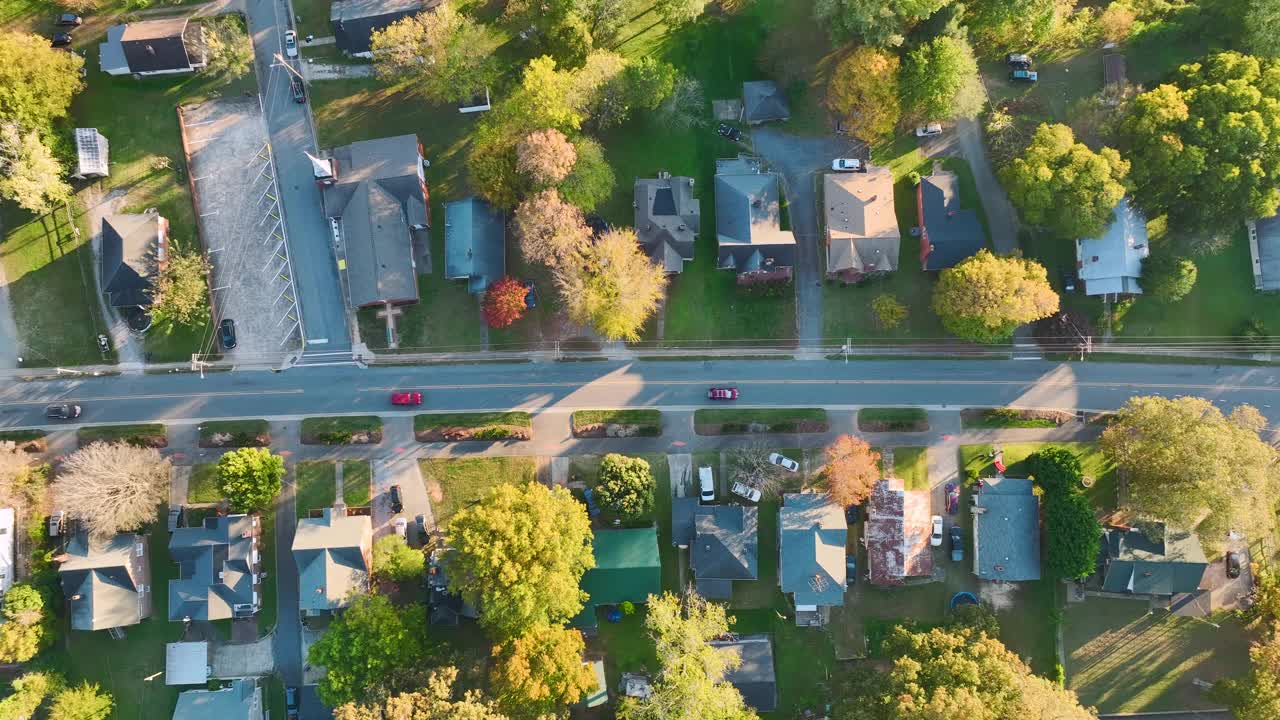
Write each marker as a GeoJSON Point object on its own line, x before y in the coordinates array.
{"type": "Point", "coordinates": [674, 385]}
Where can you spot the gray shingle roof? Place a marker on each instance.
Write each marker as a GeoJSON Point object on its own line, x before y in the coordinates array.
{"type": "Point", "coordinates": [217, 564]}
{"type": "Point", "coordinates": [133, 247]}
{"type": "Point", "coordinates": [475, 243]}
{"type": "Point", "coordinates": [953, 233]}
{"type": "Point", "coordinates": [762, 101]}
{"type": "Point", "coordinates": [667, 218]}
{"type": "Point", "coordinates": [754, 677]}
{"type": "Point", "coordinates": [1174, 563]}
{"type": "Point", "coordinates": [1265, 249]}
{"type": "Point", "coordinates": [107, 583]}
{"type": "Point", "coordinates": [240, 701]}
{"type": "Point", "coordinates": [748, 217]}
{"type": "Point", "coordinates": [812, 537]}
{"type": "Point", "coordinates": [355, 21]}
{"type": "Point", "coordinates": [725, 545]}
{"type": "Point", "coordinates": [332, 553]}
{"type": "Point", "coordinates": [1006, 531]}
{"type": "Point", "coordinates": [148, 46]}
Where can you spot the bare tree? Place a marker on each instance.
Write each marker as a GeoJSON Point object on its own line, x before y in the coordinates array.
{"type": "Point", "coordinates": [548, 228]}
{"type": "Point", "coordinates": [13, 462]}
{"type": "Point", "coordinates": [750, 466]}
{"type": "Point", "coordinates": [111, 488]}
{"type": "Point", "coordinates": [545, 156]}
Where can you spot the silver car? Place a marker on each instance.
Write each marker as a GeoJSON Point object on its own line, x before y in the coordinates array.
{"type": "Point", "coordinates": [783, 461]}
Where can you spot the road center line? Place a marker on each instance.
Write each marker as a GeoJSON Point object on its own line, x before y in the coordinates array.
{"type": "Point", "coordinates": [165, 396]}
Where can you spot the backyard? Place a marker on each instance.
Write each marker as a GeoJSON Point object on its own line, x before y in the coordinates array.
{"type": "Point", "coordinates": [975, 462]}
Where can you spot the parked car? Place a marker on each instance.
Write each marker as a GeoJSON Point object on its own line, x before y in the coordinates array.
{"type": "Point", "coordinates": [62, 411]}
{"type": "Point", "coordinates": [953, 498]}
{"type": "Point", "coordinates": [397, 500]}
{"type": "Point", "coordinates": [227, 333]}
{"type": "Point", "coordinates": [722, 393]}
{"type": "Point", "coordinates": [1069, 281]}
{"type": "Point", "coordinates": [406, 398]}
{"type": "Point", "coordinates": [401, 526]}
{"type": "Point", "coordinates": [706, 484]}
{"type": "Point", "coordinates": [743, 490]}
{"type": "Point", "coordinates": [291, 43]}
{"type": "Point", "coordinates": [1018, 60]}
{"type": "Point", "coordinates": [297, 90]}
{"type": "Point", "coordinates": [1233, 564]}
{"type": "Point", "coordinates": [850, 570]}
{"type": "Point", "coordinates": [530, 295]}
{"type": "Point", "coordinates": [783, 461]}
{"type": "Point", "coordinates": [728, 131]}
{"type": "Point", "coordinates": [957, 544]}
{"type": "Point", "coordinates": [848, 165]}
{"type": "Point", "coordinates": [852, 514]}
{"type": "Point", "coordinates": [57, 520]}
{"type": "Point", "coordinates": [1027, 76]}
{"type": "Point", "coordinates": [936, 538]}
{"type": "Point", "coordinates": [291, 703]}
{"type": "Point", "coordinates": [930, 129]}
{"type": "Point", "coordinates": [421, 522]}
{"type": "Point", "coordinates": [593, 507]}
{"type": "Point", "coordinates": [61, 39]}
{"type": "Point", "coordinates": [104, 344]}
{"type": "Point", "coordinates": [70, 20]}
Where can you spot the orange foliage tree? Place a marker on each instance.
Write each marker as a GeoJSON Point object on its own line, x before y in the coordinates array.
{"type": "Point", "coordinates": [852, 470]}
{"type": "Point", "coordinates": [504, 302]}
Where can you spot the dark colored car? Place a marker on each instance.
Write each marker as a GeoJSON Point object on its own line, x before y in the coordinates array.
{"type": "Point", "coordinates": [852, 514]}
{"type": "Point", "coordinates": [729, 131]}
{"type": "Point", "coordinates": [295, 87]}
{"type": "Point", "coordinates": [1027, 76]}
{"type": "Point", "coordinates": [953, 498]}
{"type": "Point", "coordinates": [1069, 281]}
{"type": "Point", "coordinates": [722, 393]}
{"type": "Point", "coordinates": [957, 543]}
{"type": "Point", "coordinates": [62, 411]}
{"type": "Point", "coordinates": [406, 398]}
{"type": "Point", "coordinates": [291, 703]}
{"type": "Point", "coordinates": [1018, 60]}
{"type": "Point", "coordinates": [1233, 564]}
{"type": "Point", "coordinates": [70, 20]}
{"type": "Point", "coordinates": [227, 333]}
{"type": "Point", "coordinates": [61, 39]}
{"type": "Point", "coordinates": [850, 570]}
{"type": "Point", "coordinates": [530, 295]}
{"type": "Point", "coordinates": [397, 501]}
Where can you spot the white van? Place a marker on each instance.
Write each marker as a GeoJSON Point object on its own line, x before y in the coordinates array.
{"type": "Point", "coordinates": [707, 483]}
{"type": "Point", "coordinates": [7, 542]}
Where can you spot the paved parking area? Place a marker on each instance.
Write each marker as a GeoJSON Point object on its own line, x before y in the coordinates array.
{"type": "Point", "coordinates": [237, 200]}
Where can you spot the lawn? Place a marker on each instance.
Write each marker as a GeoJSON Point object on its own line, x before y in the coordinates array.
{"type": "Point", "coordinates": [774, 417]}
{"type": "Point", "coordinates": [1102, 494]}
{"type": "Point", "coordinates": [314, 486]}
{"type": "Point", "coordinates": [627, 646]}
{"type": "Point", "coordinates": [341, 430]}
{"type": "Point", "coordinates": [454, 484]}
{"type": "Point", "coordinates": [649, 421]}
{"type": "Point", "coordinates": [888, 419]}
{"type": "Point", "coordinates": [267, 551]}
{"type": "Point", "coordinates": [1004, 418]}
{"type": "Point", "coordinates": [1123, 659]}
{"type": "Point", "coordinates": [203, 485]}
{"type": "Point", "coordinates": [152, 435]}
{"type": "Point", "coordinates": [471, 420]}
{"type": "Point", "coordinates": [357, 483]}
{"type": "Point", "coordinates": [244, 433]}
{"type": "Point", "coordinates": [911, 464]}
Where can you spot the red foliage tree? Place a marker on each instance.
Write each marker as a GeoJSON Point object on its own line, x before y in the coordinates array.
{"type": "Point", "coordinates": [504, 302]}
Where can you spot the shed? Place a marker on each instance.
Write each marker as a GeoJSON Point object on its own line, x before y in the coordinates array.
{"type": "Point", "coordinates": [754, 677]}
{"type": "Point", "coordinates": [91, 154]}
{"type": "Point", "coordinates": [762, 101]}
{"type": "Point", "coordinates": [186, 663]}
{"type": "Point", "coordinates": [475, 243]}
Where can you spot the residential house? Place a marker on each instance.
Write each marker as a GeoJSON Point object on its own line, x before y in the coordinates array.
{"type": "Point", "coordinates": [812, 535]}
{"type": "Point", "coordinates": [134, 249]}
{"type": "Point", "coordinates": [1112, 264]}
{"type": "Point", "coordinates": [862, 230]}
{"type": "Point", "coordinates": [334, 555]}
{"type": "Point", "coordinates": [355, 21]}
{"type": "Point", "coordinates": [1160, 561]}
{"type": "Point", "coordinates": [475, 243]}
{"type": "Point", "coordinates": [762, 102]}
{"type": "Point", "coordinates": [218, 570]}
{"type": "Point", "coordinates": [239, 700]}
{"type": "Point", "coordinates": [667, 218]}
{"type": "Point", "coordinates": [376, 201]}
{"type": "Point", "coordinates": [949, 233]}
{"type": "Point", "coordinates": [627, 570]}
{"type": "Point", "coordinates": [91, 154]}
{"type": "Point", "coordinates": [1264, 252]}
{"type": "Point", "coordinates": [748, 220]}
{"type": "Point", "coordinates": [896, 533]}
{"type": "Point", "coordinates": [722, 541]}
{"type": "Point", "coordinates": [153, 47]}
{"type": "Point", "coordinates": [1006, 530]}
{"type": "Point", "coordinates": [754, 676]}
{"type": "Point", "coordinates": [107, 583]}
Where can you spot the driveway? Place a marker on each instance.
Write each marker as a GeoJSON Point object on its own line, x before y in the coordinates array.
{"type": "Point", "coordinates": [798, 160]}
{"type": "Point", "coordinates": [399, 470]}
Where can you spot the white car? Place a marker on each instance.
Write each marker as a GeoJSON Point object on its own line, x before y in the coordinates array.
{"type": "Point", "coordinates": [930, 129]}
{"type": "Point", "coordinates": [936, 538]}
{"type": "Point", "coordinates": [402, 527]}
{"type": "Point", "coordinates": [847, 165]}
{"type": "Point", "coordinates": [707, 483]}
{"type": "Point", "coordinates": [783, 461]}
{"type": "Point", "coordinates": [291, 43]}
{"type": "Point", "coordinates": [746, 491]}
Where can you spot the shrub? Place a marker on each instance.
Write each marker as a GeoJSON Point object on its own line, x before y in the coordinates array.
{"type": "Point", "coordinates": [492, 433]}
{"type": "Point", "coordinates": [626, 485]}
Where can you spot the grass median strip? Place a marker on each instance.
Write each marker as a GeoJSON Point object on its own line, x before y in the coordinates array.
{"type": "Point", "coordinates": [353, 430]}
{"type": "Point", "coordinates": [141, 435]}
{"type": "Point", "coordinates": [893, 420]}
{"type": "Point", "coordinates": [1011, 418]}
{"type": "Point", "coordinates": [315, 486]}
{"type": "Point", "coordinates": [626, 423]}
{"type": "Point", "coordinates": [452, 427]}
{"type": "Point", "coordinates": [733, 421]}
{"type": "Point", "coordinates": [235, 433]}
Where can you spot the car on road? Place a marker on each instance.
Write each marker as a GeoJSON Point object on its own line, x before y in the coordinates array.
{"type": "Point", "coordinates": [397, 499]}
{"type": "Point", "coordinates": [848, 165]}
{"type": "Point", "coordinates": [928, 130]}
{"type": "Point", "coordinates": [70, 20]}
{"type": "Point", "coordinates": [935, 539]}
{"type": "Point", "coordinates": [291, 43]}
{"type": "Point", "coordinates": [297, 90]}
{"type": "Point", "coordinates": [783, 461]}
{"type": "Point", "coordinates": [1026, 76]}
{"type": "Point", "coordinates": [401, 526]}
{"type": "Point", "coordinates": [227, 333]}
{"type": "Point", "coordinates": [61, 39]}
{"type": "Point", "coordinates": [953, 498]}
{"type": "Point", "coordinates": [1018, 60]}
{"type": "Point", "coordinates": [1233, 564]}
{"type": "Point", "coordinates": [957, 544]}
{"type": "Point", "coordinates": [291, 703]}
{"type": "Point", "coordinates": [722, 393]}
{"type": "Point", "coordinates": [728, 131]}
{"type": "Point", "coordinates": [406, 398]}
{"type": "Point", "coordinates": [530, 295]}
{"type": "Point", "coordinates": [743, 490]}
{"type": "Point", "coordinates": [62, 411]}
{"type": "Point", "coordinates": [706, 484]}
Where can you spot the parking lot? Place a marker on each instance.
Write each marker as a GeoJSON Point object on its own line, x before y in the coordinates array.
{"type": "Point", "coordinates": [237, 201]}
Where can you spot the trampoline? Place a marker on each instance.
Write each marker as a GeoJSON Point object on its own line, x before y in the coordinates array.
{"type": "Point", "coordinates": [962, 598]}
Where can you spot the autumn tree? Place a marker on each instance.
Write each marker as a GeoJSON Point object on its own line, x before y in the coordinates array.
{"type": "Point", "coordinates": [1168, 277]}
{"type": "Point", "coordinates": [852, 470]}
{"type": "Point", "coordinates": [435, 700]}
{"type": "Point", "coordinates": [447, 55]}
{"type": "Point", "coordinates": [986, 297]}
{"type": "Point", "coordinates": [37, 81]}
{"type": "Point", "coordinates": [1203, 147]}
{"type": "Point", "coordinates": [13, 462]}
{"type": "Point", "coordinates": [591, 181]}
{"type": "Point", "coordinates": [86, 701]}
{"type": "Point", "coordinates": [1064, 186]}
{"type": "Point", "coordinates": [611, 285]}
{"type": "Point", "coordinates": [504, 302]}
{"type": "Point", "coordinates": [877, 22]}
{"type": "Point", "coordinates": [549, 230]}
{"type": "Point", "coordinates": [1256, 696]}
{"type": "Point", "coordinates": [1266, 602]}
{"type": "Point", "coordinates": [518, 555]}
{"type": "Point", "coordinates": [249, 478]}
{"type": "Point", "coordinates": [540, 672]}
{"type": "Point", "coordinates": [625, 485]}
{"type": "Point", "coordinates": [545, 156]}
{"type": "Point", "coordinates": [181, 295]}
{"type": "Point", "coordinates": [1115, 24]}
{"type": "Point", "coordinates": [889, 311]}
{"type": "Point", "coordinates": [998, 26]}
{"type": "Point", "coordinates": [394, 560]}
{"type": "Point", "coordinates": [367, 649]}
{"type": "Point", "coordinates": [29, 692]}
{"type": "Point", "coordinates": [863, 93]}
{"type": "Point", "coordinates": [112, 488]}
{"type": "Point", "coordinates": [1190, 465]}
{"type": "Point", "coordinates": [27, 628]}
{"type": "Point", "coordinates": [228, 52]}
{"type": "Point", "coordinates": [690, 683]}
{"type": "Point", "coordinates": [30, 175]}
{"type": "Point", "coordinates": [939, 80]}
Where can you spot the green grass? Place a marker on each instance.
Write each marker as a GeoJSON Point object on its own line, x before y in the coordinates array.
{"type": "Point", "coordinates": [662, 512]}
{"type": "Point", "coordinates": [1004, 418]}
{"type": "Point", "coordinates": [774, 417]}
{"type": "Point", "coordinates": [893, 419]}
{"type": "Point", "coordinates": [627, 647]}
{"type": "Point", "coordinates": [1120, 658]}
{"type": "Point", "coordinates": [471, 420]}
{"type": "Point", "coordinates": [266, 546]}
{"type": "Point", "coordinates": [274, 694]}
{"type": "Point", "coordinates": [357, 483]}
{"type": "Point", "coordinates": [337, 430]}
{"type": "Point", "coordinates": [911, 464]}
{"type": "Point", "coordinates": [313, 19]}
{"type": "Point", "coordinates": [244, 432]}
{"type": "Point", "coordinates": [133, 434]}
{"type": "Point", "coordinates": [203, 485]}
{"type": "Point", "coordinates": [21, 436]}
{"type": "Point", "coordinates": [314, 486]}
{"type": "Point", "coordinates": [453, 484]}
{"type": "Point", "coordinates": [1102, 495]}
{"type": "Point", "coordinates": [650, 421]}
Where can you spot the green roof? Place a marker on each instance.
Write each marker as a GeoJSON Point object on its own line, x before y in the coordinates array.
{"type": "Point", "coordinates": [627, 568]}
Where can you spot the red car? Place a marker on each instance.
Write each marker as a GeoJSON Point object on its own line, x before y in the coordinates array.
{"type": "Point", "coordinates": [406, 398]}
{"type": "Point", "coordinates": [724, 393]}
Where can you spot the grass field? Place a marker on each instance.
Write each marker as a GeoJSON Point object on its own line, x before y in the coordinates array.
{"type": "Point", "coordinates": [357, 483]}
{"type": "Point", "coordinates": [911, 464]}
{"type": "Point", "coordinates": [1005, 418]}
{"type": "Point", "coordinates": [143, 434]}
{"type": "Point", "coordinates": [203, 485]}
{"type": "Point", "coordinates": [453, 484]}
{"type": "Point", "coordinates": [650, 421]}
{"type": "Point", "coordinates": [471, 420]}
{"type": "Point", "coordinates": [1102, 494]}
{"type": "Point", "coordinates": [340, 430]}
{"type": "Point", "coordinates": [893, 419]}
{"type": "Point", "coordinates": [244, 433]}
{"type": "Point", "coordinates": [804, 660]}
{"type": "Point", "coordinates": [777, 416]}
{"type": "Point", "coordinates": [314, 489]}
